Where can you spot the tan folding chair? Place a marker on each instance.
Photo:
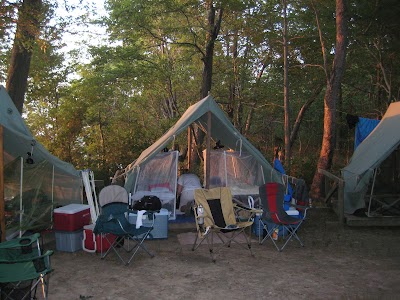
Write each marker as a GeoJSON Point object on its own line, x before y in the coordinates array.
{"type": "Point", "coordinates": [215, 216]}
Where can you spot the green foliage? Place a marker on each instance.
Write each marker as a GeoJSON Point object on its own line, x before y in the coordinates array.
{"type": "Point", "coordinates": [135, 86]}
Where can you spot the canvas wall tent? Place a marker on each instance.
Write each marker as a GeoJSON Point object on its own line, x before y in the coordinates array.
{"type": "Point", "coordinates": [368, 156]}
{"type": "Point", "coordinates": [31, 190]}
{"type": "Point", "coordinates": [221, 129]}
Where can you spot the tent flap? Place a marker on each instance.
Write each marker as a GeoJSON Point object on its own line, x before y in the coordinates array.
{"type": "Point", "coordinates": [379, 144]}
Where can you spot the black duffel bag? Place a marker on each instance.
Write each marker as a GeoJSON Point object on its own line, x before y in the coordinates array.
{"type": "Point", "coordinates": [147, 203]}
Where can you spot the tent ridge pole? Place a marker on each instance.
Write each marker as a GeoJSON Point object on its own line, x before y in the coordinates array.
{"type": "Point", "coordinates": [208, 154]}
{"type": "Point", "coordinates": [2, 200]}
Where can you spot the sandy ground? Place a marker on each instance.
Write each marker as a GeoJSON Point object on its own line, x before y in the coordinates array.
{"type": "Point", "coordinates": [336, 263]}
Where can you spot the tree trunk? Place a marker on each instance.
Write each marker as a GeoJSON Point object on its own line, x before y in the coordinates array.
{"type": "Point", "coordinates": [213, 25]}
{"type": "Point", "coordinates": [235, 104]}
{"type": "Point", "coordinates": [300, 115]}
{"type": "Point", "coordinates": [28, 29]}
{"type": "Point", "coordinates": [332, 95]}
{"type": "Point", "coordinates": [286, 90]}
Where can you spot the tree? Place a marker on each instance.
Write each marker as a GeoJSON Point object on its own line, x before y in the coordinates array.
{"type": "Point", "coordinates": [286, 102]}
{"type": "Point", "coordinates": [153, 67]}
{"type": "Point", "coordinates": [30, 17]}
{"type": "Point", "coordinates": [332, 94]}
{"type": "Point", "coordinates": [213, 25]}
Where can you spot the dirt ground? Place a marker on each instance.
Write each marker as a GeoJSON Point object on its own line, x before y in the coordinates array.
{"type": "Point", "coordinates": [336, 263]}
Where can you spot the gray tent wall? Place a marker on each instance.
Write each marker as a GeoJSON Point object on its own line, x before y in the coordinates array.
{"type": "Point", "coordinates": [221, 129]}
{"type": "Point", "coordinates": [17, 139]}
{"type": "Point", "coordinates": [379, 144]}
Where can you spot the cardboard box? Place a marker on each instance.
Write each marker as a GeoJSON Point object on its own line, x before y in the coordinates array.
{"type": "Point", "coordinates": [96, 242]}
{"type": "Point", "coordinates": [71, 217]}
{"type": "Point", "coordinates": [69, 241]}
{"type": "Point", "coordinates": [160, 230]}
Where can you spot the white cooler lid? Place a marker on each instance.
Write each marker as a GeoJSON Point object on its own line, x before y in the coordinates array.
{"type": "Point", "coordinates": [71, 208]}
{"type": "Point", "coordinates": [163, 211]}
{"type": "Point", "coordinates": [89, 227]}
{"type": "Point", "coordinates": [292, 211]}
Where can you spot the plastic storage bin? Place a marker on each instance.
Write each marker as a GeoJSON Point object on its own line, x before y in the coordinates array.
{"type": "Point", "coordinates": [69, 241]}
{"type": "Point", "coordinates": [71, 217]}
{"type": "Point", "coordinates": [160, 230]}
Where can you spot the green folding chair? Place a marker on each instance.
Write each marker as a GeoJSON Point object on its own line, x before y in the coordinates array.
{"type": "Point", "coordinates": [23, 268]}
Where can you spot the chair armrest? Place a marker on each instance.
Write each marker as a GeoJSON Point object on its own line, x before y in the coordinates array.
{"type": "Point", "coordinates": [18, 242]}
{"type": "Point", "coordinates": [301, 208]}
{"type": "Point", "coordinates": [245, 213]}
{"type": "Point", "coordinates": [246, 208]}
{"type": "Point", "coordinates": [28, 259]}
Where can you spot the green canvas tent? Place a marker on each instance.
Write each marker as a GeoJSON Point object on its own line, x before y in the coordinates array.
{"type": "Point", "coordinates": [368, 156]}
{"type": "Point", "coordinates": [35, 181]}
{"type": "Point", "coordinates": [221, 129]}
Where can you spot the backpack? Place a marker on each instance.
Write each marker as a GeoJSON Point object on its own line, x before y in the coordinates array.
{"type": "Point", "coordinates": [147, 203]}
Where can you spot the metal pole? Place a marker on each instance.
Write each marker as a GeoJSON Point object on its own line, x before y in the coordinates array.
{"type": "Point", "coordinates": [208, 153]}
{"type": "Point", "coordinates": [189, 149]}
{"type": "Point", "coordinates": [21, 182]}
{"type": "Point", "coordinates": [2, 201]}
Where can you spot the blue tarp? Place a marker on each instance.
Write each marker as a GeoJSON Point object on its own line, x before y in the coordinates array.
{"type": "Point", "coordinates": [363, 129]}
{"type": "Point", "coordinates": [279, 167]}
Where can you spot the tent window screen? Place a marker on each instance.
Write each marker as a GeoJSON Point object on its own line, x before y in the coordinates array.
{"type": "Point", "coordinates": [28, 196]}
{"type": "Point", "coordinates": [239, 171]}
{"type": "Point", "coordinates": [158, 177]}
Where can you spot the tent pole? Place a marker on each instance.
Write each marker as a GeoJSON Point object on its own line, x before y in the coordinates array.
{"type": "Point", "coordinates": [189, 141]}
{"type": "Point", "coordinates": [20, 197]}
{"type": "Point", "coordinates": [372, 193]}
{"type": "Point", "coordinates": [2, 201]}
{"type": "Point", "coordinates": [226, 172]}
{"type": "Point", "coordinates": [208, 154]}
{"type": "Point", "coordinates": [52, 196]}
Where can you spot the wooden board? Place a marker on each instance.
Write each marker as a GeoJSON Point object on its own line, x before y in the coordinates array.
{"type": "Point", "coordinates": [352, 220]}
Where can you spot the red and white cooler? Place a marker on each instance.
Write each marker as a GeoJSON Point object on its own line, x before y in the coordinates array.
{"type": "Point", "coordinates": [96, 242]}
{"type": "Point", "coordinates": [71, 217]}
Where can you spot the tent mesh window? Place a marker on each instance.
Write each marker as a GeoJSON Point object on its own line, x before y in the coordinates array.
{"type": "Point", "coordinates": [239, 171]}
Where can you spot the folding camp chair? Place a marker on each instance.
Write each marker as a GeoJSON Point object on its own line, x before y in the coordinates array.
{"type": "Point", "coordinates": [274, 218]}
{"type": "Point", "coordinates": [215, 215]}
{"type": "Point", "coordinates": [23, 267]}
{"type": "Point", "coordinates": [113, 219]}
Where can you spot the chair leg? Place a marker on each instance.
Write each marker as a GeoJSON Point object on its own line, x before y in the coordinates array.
{"type": "Point", "coordinates": [44, 284]}
{"type": "Point", "coordinates": [292, 234]}
{"type": "Point", "coordinates": [289, 228]}
{"type": "Point", "coordinates": [211, 245]}
{"type": "Point", "coordinates": [139, 244]}
{"type": "Point", "coordinates": [15, 287]}
{"type": "Point", "coordinates": [234, 235]}
{"type": "Point", "coordinates": [269, 234]}
{"type": "Point", "coordinates": [203, 237]}
{"type": "Point", "coordinates": [195, 245]}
